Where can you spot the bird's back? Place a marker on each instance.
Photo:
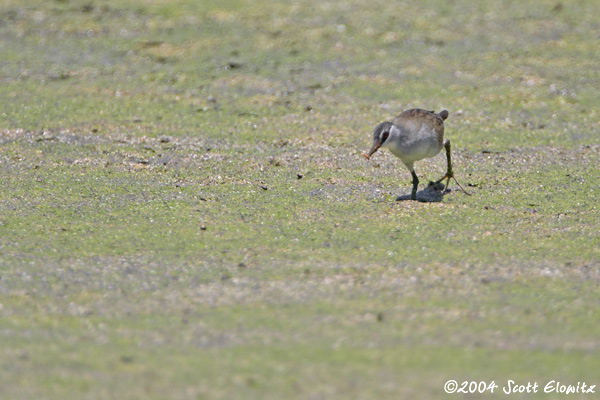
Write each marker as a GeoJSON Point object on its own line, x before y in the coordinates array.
{"type": "Point", "coordinates": [415, 121]}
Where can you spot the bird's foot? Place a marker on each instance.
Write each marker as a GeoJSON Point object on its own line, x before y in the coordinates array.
{"type": "Point", "coordinates": [449, 173]}
{"type": "Point", "coordinates": [448, 176]}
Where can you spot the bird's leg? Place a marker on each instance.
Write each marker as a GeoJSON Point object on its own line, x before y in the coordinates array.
{"type": "Point", "coordinates": [415, 183]}
{"type": "Point", "coordinates": [449, 172]}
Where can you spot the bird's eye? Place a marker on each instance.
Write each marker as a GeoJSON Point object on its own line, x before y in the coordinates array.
{"type": "Point", "coordinates": [385, 136]}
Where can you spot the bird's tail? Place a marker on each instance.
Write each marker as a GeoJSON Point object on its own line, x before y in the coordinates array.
{"type": "Point", "coordinates": [443, 114]}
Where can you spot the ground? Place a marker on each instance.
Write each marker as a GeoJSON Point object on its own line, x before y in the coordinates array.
{"type": "Point", "coordinates": [184, 212]}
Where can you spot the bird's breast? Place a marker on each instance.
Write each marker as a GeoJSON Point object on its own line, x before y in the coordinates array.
{"type": "Point", "coordinates": [416, 146]}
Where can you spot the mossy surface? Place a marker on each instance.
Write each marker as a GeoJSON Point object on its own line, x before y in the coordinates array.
{"type": "Point", "coordinates": [184, 212]}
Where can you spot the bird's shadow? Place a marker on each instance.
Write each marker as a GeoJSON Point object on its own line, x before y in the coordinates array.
{"type": "Point", "coordinates": [433, 193]}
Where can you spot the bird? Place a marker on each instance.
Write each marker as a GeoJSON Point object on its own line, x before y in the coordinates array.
{"type": "Point", "coordinates": [412, 136]}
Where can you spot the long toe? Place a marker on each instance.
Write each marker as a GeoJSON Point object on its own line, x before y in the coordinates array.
{"type": "Point", "coordinates": [442, 178]}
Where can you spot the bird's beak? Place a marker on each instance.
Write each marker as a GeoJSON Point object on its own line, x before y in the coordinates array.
{"type": "Point", "coordinates": [375, 147]}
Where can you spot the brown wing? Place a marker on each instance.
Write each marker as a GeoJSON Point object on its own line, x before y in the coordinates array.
{"type": "Point", "coordinates": [413, 120]}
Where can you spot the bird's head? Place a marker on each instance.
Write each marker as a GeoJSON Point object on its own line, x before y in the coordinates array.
{"type": "Point", "coordinates": [380, 135]}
